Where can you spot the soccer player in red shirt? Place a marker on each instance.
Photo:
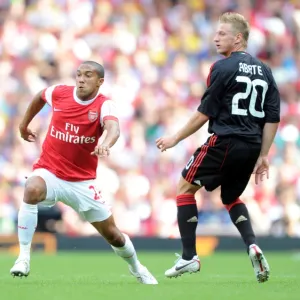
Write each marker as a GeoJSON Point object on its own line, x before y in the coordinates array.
{"type": "Point", "coordinates": [66, 169]}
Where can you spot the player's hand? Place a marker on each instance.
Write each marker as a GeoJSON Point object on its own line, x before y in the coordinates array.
{"type": "Point", "coordinates": [261, 169]}
{"type": "Point", "coordinates": [27, 134]}
{"type": "Point", "coordinates": [101, 151]}
{"type": "Point", "coordinates": [165, 143]}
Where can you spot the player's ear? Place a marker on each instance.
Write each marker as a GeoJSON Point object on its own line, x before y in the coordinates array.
{"type": "Point", "coordinates": [239, 38]}
{"type": "Point", "coordinates": [100, 81]}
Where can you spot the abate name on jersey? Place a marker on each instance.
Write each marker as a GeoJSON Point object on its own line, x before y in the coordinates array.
{"type": "Point", "coordinates": [252, 69]}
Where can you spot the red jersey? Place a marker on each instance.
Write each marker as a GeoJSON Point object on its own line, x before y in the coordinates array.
{"type": "Point", "coordinates": [73, 133]}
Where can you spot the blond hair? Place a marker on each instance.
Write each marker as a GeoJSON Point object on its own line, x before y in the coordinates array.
{"type": "Point", "coordinates": [239, 24]}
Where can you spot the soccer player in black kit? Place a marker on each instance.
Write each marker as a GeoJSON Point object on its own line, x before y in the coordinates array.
{"type": "Point", "coordinates": [242, 105]}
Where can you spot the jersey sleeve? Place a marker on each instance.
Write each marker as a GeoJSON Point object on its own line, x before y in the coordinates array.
{"type": "Point", "coordinates": [48, 94]}
{"type": "Point", "coordinates": [108, 112]}
{"type": "Point", "coordinates": [211, 100]}
{"type": "Point", "coordinates": [272, 103]}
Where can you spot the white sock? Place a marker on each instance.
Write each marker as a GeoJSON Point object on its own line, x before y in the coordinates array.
{"type": "Point", "coordinates": [27, 221]}
{"type": "Point", "coordinates": [127, 252]}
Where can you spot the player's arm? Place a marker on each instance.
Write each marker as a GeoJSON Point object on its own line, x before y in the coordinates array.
{"type": "Point", "coordinates": [268, 136]}
{"type": "Point", "coordinates": [208, 108]}
{"type": "Point", "coordinates": [110, 124]}
{"type": "Point", "coordinates": [112, 129]}
{"type": "Point", "coordinates": [261, 168]}
{"type": "Point", "coordinates": [33, 109]}
{"type": "Point", "coordinates": [197, 120]}
{"type": "Point", "coordinates": [272, 118]}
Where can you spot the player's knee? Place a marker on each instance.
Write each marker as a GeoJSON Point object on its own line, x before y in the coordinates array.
{"type": "Point", "coordinates": [35, 191]}
{"type": "Point", "coordinates": [227, 200]}
{"type": "Point", "coordinates": [229, 203]}
{"type": "Point", "coordinates": [115, 238]}
{"type": "Point", "coordinates": [184, 187]}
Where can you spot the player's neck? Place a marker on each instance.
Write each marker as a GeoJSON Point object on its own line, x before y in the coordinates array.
{"type": "Point", "coordinates": [238, 48]}
{"type": "Point", "coordinates": [235, 49]}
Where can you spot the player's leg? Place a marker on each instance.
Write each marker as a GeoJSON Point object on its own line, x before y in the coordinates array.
{"type": "Point", "coordinates": [240, 218]}
{"type": "Point", "coordinates": [35, 192]}
{"type": "Point", "coordinates": [201, 170]}
{"type": "Point", "coordinates": [86, 199]}
{"type": "Point", "coordinates": [187, 217]}
{"type": "Point", "coordinates": [120, 243]}
{"type": "Point", "coordinates": [233, 186]}
{"type": "Point", "coordinates": [237, 209]}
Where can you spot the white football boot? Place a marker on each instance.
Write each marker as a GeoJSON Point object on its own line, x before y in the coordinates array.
{"type": "Point", "coordinates": [184, 266]}
{"type": "Point", "coordinates": [21, 268]}
{"type": "Point", "coordinates": [259, 263]}
{"type": "Point", "coordinates": [143, 275]}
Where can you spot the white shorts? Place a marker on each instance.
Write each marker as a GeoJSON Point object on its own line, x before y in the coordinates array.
{"type": "Point", "coordinates": [83, 196]}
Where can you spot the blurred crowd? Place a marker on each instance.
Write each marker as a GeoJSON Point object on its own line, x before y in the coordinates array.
{"type": "Point", "coordinates": [157, 56]}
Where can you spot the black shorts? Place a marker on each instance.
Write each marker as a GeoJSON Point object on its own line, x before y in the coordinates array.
{"type": "Point", "coordinates": [223, 161]}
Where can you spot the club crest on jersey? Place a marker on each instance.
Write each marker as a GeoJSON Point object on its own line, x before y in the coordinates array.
{"type": "Point", "coordinates": [92, 115]}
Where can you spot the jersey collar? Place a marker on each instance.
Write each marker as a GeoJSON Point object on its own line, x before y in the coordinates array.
{"type": "Point", "coordinates": [84, 102]}
{"type": "Point", "coordinates": [238, 52]}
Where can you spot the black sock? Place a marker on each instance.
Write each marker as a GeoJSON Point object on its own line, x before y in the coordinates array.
{"type": "Point", "coordinates": [240, 217]}
{"type": "Point", "coordinates": [187, 216]}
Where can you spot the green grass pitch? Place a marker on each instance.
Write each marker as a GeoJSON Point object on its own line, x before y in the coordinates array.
{"type": "Point", "coordinates": [104, 276]}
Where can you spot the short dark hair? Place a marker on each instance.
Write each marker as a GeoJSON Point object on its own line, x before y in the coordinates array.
{"type": "Point", "coordinates": [99, 68]}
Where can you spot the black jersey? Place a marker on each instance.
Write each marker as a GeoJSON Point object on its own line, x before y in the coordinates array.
{"type": "Point", "coordinates": [240, 98]}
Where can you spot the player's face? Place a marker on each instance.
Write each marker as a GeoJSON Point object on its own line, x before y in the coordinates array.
{"type": "Point", "coordinates": [87, 82]}
{"type": "Point", "coordinates": [226, 39]}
